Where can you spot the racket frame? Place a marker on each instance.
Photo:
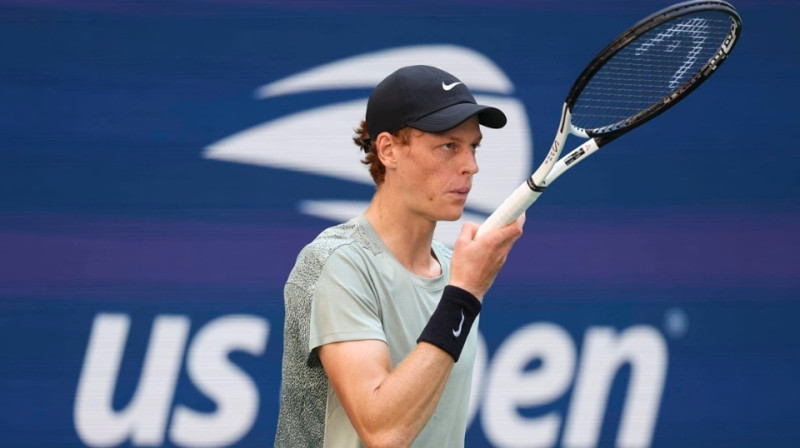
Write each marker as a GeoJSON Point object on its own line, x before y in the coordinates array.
{"type": "Point", "coordinates": [553, 167]}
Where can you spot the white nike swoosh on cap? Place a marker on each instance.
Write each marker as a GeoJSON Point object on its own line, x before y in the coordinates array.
{"type": "Point", "coordinates": [450, 86]}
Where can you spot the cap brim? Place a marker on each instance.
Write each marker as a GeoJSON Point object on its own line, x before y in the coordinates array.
{"type": "Point", "coordinates": [454, 115]}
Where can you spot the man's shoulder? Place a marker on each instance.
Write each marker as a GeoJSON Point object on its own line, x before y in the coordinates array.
{"type": "Point", "coordinates": [348, 234]}
{"type": "Point", "coordinates": [347, 240]}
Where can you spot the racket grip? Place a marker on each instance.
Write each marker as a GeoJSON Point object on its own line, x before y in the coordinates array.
{"type": "Point", "coordinates": [510, 209]}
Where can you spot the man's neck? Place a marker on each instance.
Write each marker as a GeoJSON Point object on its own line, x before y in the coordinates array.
{"type": "Point", "coordinates": [408, 236]}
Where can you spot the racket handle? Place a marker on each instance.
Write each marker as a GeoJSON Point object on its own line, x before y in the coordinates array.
{"type": "Point", "coordinates": [510, 209]}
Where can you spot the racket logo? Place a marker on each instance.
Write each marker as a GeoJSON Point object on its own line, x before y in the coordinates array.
{"type": "Point", "coordinates": [728, 44]}
{"type": "Point", "coordinates": [724, 50]}
{"type": "Point", "coordinates": [695, 29]}
{"type": "Point", "coordinates": [575, 155]}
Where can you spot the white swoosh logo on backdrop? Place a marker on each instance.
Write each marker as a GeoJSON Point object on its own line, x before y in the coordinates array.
{"type": "Point", "coordinates": [286, 143]}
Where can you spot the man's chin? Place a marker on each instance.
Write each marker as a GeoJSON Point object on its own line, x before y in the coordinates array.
{"type": "Point", "coordinates": [452, 216]}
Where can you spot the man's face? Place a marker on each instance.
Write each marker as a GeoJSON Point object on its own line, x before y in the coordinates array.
{"type": "Point", "coordinates": [435, 171]}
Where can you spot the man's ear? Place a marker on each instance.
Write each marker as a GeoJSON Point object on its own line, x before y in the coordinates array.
{"type": "Point", "coordinates": [386, 147]}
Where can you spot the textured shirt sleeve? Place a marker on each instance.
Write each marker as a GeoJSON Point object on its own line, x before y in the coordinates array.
{"type": "Point", "coordinates": [345, 306]}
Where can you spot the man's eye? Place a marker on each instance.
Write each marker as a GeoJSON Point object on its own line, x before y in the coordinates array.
{"type": "Point", "coordinates": [449, 146]}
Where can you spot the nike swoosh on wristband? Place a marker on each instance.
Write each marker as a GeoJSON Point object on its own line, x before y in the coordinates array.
{"type": "Point", "coordinates": [448, 87]}
{"type": "Point", "coordinates": [457, 332]}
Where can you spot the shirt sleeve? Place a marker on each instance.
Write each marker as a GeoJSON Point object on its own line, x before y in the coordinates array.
{"type": "Point", "coordinates": [345, 305]}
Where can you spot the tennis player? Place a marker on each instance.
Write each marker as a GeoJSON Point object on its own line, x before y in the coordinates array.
{"type": "Point", "coordinates": [379, 337]}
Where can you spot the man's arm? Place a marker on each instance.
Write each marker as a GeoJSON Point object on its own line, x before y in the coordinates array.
{"type": "Point", "coordinates": [391, 407]}
{"type": "Point", "coordinates": [388, 408]}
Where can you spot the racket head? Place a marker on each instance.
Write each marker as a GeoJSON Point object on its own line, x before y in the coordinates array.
{"type": "Point", "coordinates": [651, 67]}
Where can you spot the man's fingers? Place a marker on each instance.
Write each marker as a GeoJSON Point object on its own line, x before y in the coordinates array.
{"type": "Point", "coordinates": [469, 229]}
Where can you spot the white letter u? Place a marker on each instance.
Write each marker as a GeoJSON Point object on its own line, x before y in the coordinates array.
{"type": "Point", "coordinates": [144, 419]}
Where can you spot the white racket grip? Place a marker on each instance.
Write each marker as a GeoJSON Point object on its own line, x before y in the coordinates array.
{"type": "Point", "coordinates": [510, 209]}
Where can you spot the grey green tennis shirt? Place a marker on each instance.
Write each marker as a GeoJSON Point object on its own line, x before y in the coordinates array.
{"type": "Point", "coordinates": [347, 286]}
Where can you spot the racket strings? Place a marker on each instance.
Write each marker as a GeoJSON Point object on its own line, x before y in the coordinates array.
{"type": "Point", "coordinates": [648, 69]}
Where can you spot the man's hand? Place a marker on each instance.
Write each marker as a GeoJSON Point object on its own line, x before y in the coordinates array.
{"type": "Point", "coordinates": [476, 262]}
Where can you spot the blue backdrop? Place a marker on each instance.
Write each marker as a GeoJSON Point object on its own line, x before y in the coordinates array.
{"type": "Point", "coordinates": [162, 163]}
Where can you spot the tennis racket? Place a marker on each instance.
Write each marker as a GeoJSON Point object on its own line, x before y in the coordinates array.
{"type": "Point", "coordinates": [643, 72]}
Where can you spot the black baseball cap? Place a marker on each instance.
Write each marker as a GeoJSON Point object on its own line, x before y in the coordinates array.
{"type": "Point", "coordinates": [425, 98]}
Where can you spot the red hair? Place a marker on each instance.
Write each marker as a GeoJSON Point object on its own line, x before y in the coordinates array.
{"type": "Point", "coordinates": [363, 141]}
